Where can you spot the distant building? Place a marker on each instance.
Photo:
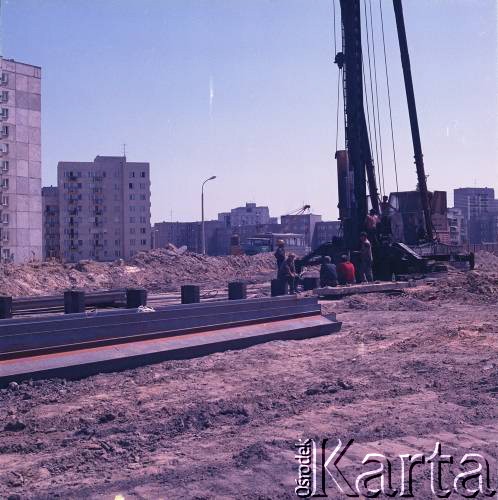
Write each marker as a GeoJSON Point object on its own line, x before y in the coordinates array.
{"type": "Point", "coordinates": [250, 215]}
{"type": "Point", "coordinates": [483, 229]}
{"type": "Point", "coordinates": [224, 217]}
{"type": "Point", "coordinates": [457, 226]}
{"type": "Point", "coordinates": [301, 224]}
{"type": "Point", "coordinates": [104, 208]}
{"type": "Point", "coordinates": [325, 231]}
{"type": "Point", "coordinates": [20, 161]}
{"type": "Point", "coordinates": [187, 234]}
{"type": "Point", "coordinates": [51, 228]}
{"type": "Point", "coordinates": [474, 202]}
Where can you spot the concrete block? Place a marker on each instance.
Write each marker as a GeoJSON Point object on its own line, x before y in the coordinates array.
{"type": "Point", "coordinates": [74, 301]}
{"type": "Point", "coordinates": [310, 283]}
{"type": "Point", "coordinates": [136, 297]}
{"type": "Point", "coordinates": [237, 290]}
{"type": "Point", "coordinates": [190, 294]}
{"type": "Point", "coordinates": [5, 307]}
{"type": "Point", "coordinates": [279, 287]}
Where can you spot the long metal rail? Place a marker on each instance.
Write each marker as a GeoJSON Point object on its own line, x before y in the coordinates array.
{"type": "Point", "coordinates": [74, 345]}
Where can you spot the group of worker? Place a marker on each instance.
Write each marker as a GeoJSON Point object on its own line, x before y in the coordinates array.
{"type": "Point", "coordinates": [330, 274]}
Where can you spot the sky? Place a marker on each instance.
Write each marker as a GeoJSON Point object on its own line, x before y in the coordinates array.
{"type": "Point", "coordinates": [247, 90]}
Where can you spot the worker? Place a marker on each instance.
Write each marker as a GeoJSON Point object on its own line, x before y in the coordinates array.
{"type": "Point", "coordinates": [328, 272]}
{"type": "Point", "coordinates": [287, 273]}
{"type": "Point", "coordinates": [371, 222]}
{"type": "Point", "coordinates": [280, 254]}
{"type": "Point", "coordinates": [346, 273]}
{"type": "Point", "coordinates": [385, 221]}
{"type": "Point", "coordinates": [366, 258]}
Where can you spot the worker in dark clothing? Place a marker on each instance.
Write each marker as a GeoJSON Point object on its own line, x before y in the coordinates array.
{"type": "Point", "coordinates": [366, 259]}
{"type": "Point", "coordinates": [279, 254]}
{"type": "Point", "coordinates": [287, 272]}
{"type": "Point", "coordinates": [328, 272]}
{"type": "Point", "coordinates": [385, 222]}
{"type": "Point", "coordinates": [346, 273]}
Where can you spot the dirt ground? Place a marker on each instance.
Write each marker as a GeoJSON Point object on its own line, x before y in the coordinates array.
{"type": "Point", "coordinates": [405, 372]}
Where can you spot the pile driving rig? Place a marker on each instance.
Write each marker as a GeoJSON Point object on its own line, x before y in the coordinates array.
{"type": "Point", "coordinates": [398, 253]}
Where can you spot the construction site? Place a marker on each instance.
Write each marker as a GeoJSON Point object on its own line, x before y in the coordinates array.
{"type": "Point", "coordinates": [364, 366]}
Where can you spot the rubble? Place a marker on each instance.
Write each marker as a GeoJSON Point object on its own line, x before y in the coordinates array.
{"type": "Point", "coordinates": [159, 270]}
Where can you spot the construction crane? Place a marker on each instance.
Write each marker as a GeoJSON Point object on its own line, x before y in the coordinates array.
{"type": "Point", "coordinates": [301, 210]}
{"type": "Point", "coordinates": [355, 165]}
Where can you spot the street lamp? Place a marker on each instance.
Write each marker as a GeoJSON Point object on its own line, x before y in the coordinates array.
{"type": "Point", "coordinates": [203, 231]}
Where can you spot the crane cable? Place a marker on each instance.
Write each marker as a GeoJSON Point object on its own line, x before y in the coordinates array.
{"type": "Point", "coordinates": [377, 96]}
{"type": "Point", "coordinates": [389, 97]}
{"type": "Point", "coordinates": [372, 96]}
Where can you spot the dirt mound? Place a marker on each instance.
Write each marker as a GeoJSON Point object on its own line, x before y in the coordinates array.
{"type": "Point", "coordinates": [479, 286]}
{"type": "Point", "coordinates": [156, 270]}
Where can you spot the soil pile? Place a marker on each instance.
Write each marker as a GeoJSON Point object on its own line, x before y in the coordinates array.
{"type": "Point", "coordinates": [157, 270]}
{"type": "Point", "coordinates": [479, 286]}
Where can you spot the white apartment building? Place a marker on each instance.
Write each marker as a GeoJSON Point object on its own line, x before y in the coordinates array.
{"type": "Point", "coordinates": [104, 208]}
{"type": "Point", "coordinates": [20, 161]}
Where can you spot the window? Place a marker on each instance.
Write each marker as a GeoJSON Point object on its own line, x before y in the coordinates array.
{"type": "Point", "coordinates": [132, 243]}
{"type": "Point", "coordinates": [117, 253]}
{"type": "Point", "coordinates": [5, 184]}
{"type": "Point", "coordinates": [143, 230]}
{"type": "Point", "coordinates": [132, 220]}
{"type": "Point", "coordinates": [142, 219]}
{"type": "Point", "coordinates": [132, 174]}
{"type": "Point", "coordinates": [143, 242]}
{"type": "Point", "coordinates": [132, 208]}
{"type": "Point", "coordinates": [4, 148]}
{"type": "Point", "coordinates": [132, 230]}
{"type": "Point", "coordinates": [4, 113]}
{"type": "Point", "coordinates": [143, 185]}
{"type": "Point", "coordinates": [142, 197]}
{"type": "Point", "coordinates": [5, 95]}
{"type": "Point", "coordinates": [4, 79]}
{"type": "Point", "coordinates": [130, 185]}
{"type": "Point", "coordinates": [132, 197]}
{"type": "Point", "coordinates": [142, 174]}
{"type": "Point", "coordinates": [5, 165]}
{"type": "Point", "coordinates": [5, 218]}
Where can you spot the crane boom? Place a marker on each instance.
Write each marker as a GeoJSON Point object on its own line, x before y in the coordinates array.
{"type": "Point", "coordinates": [412, 111]}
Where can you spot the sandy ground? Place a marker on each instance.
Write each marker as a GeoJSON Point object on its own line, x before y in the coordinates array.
{"type": "Point", "coordinates": [404, 372]}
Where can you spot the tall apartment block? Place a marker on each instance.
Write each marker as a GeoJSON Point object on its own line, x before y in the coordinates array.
{"type": "Point", "coordinates": [20, 161]}
{"type": "Point", "coordinates": [51, 226]}
{"type": "Point", "coordinates": [104, 208]}
{"type": "Point", "coordinates": [475, 202]}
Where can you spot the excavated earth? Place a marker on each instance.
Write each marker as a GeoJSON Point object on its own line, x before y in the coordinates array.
{"type": "Point", "coordinates": [406, 371]}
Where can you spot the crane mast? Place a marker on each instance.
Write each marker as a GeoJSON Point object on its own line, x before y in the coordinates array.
{"type": "Point", "coordinates": [360, 162]}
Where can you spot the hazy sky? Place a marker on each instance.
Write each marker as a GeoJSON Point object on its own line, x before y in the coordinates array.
{"type": "Point", "coordinates": [246, 90]}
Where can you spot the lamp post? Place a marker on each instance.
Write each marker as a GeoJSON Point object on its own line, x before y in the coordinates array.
{"type": "Point", "coordinates": [203, 231]}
